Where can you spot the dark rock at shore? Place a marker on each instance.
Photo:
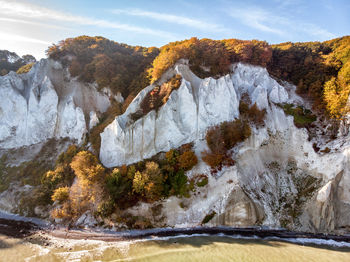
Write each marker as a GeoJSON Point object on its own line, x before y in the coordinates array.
{"type": "Point", "coordinates": [17, 229]}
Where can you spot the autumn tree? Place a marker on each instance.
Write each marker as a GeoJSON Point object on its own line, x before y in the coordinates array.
{"type": "Point", "coordinates": [86, 167]}
{"type": "Point", "coordinates": [61, 194]}
{"type": "Point", "coordinates": [187, 160]}
{"type": "Point", "coordinates": [86, 193]}
{"type": "Point", "coordinates": [139, 183]}
{"type": "Point", "coordinates": [222, 138]}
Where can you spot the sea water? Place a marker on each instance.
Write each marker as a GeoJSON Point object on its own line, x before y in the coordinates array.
{"type": "Point", "coordinates": [194, 248]}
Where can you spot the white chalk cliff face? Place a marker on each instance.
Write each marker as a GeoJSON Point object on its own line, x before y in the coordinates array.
{"type": "Point", "coordinates": [190, 110]}
{"type": "Point", "coordinates": [46, 103]}
{"type": "Point", "coordinates": [278, 179]}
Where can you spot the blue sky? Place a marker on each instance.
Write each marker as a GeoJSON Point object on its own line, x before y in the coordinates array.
{"type": "Point", "coordinates": [32, 25]}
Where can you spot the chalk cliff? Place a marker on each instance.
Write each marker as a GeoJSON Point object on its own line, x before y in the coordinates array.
{"type": "Point", "coordinates": [46, 103]}
{"type": "Point", "coordinates": [278, 179]}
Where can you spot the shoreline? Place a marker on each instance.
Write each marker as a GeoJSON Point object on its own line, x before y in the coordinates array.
{"type": "Point", "coordinates": [25, 229]}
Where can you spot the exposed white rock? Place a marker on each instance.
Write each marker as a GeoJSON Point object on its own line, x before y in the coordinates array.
{"type": "Point", "coordinates": [277, 171]}
{"type": "Point", "coordinates": [324, 192]}
{"type": "Point", "coordinates": [190, 110]}
{"type": "Point", "coordinates": [45, 103]}
{"type": "Point", "coordinates": [86, 219]}
{"type": "Point", "coordinates": [93, 119]}
{"type": "Point", "coordinates": [119, 98]}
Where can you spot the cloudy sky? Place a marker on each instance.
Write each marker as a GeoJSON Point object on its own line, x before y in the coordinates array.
{"type": "Point", "coordinates": [31, 26]}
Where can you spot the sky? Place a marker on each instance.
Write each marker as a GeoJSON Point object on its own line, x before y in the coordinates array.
{"type": "Point", "coordinates": [30, 26]}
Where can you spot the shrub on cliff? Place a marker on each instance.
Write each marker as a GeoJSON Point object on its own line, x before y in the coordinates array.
{"type": "Point", "coordinates": [213, 159]}
{"type": "Point", "coordinates": [222, 138]}
{"type": "Point", "coordinates": [25, 69]}
{"type": "Point", "coordinates": [187, 160]}
{"type": "Point", "coordinates": [302, 116]}
{"type": "Point", "coordinates": [149, 183]}
{"type": "Point", "coordinates": [252, 114]}
{"type": "Point", "coordinates": [157, 97]}
{"type": "Point", "coordinates": [60, 194]}
{"type": "Point", "coordinates": [119, 185]}
{"type": "Point", "coordinates": [226, 135]}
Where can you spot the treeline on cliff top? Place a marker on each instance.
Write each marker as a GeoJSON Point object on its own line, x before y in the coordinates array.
{"type": "Point", "coordinates": [320, 70]}
{"type": "Point", "coordinates": [10, 61]}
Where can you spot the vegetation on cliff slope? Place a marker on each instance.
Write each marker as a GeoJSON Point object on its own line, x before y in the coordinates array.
{"type": "Point", "coordinates": [118, 66]}
{"type": "Point", "coordinates": [25, 69]}
{"type": "Point", "coordinates": [105, 191]}
{"type": "Point", "coordinates": [321, 70]}
{"type": "Point", "coordinates": [222, 138]}
{"type": "Point", "coordinates": [10, 61]}
{"type": "Point", "coordinates": [210, 57]}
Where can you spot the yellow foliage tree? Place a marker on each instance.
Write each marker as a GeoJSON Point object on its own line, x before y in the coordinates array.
{"type": "Point", "coordinates": [25, 69]}
{"type": "Point", "coordinates": [187, 160]}
{"type": "Point", "coordinates": [61, 194]}
{"type": "Point", "coordinates": [86, 167]}
{"type": "Point", "coordinates": [86, 193]}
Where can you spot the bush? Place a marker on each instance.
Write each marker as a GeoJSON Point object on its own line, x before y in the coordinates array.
{"type": "Point", "coordinates": [225, 136]}
{"type": "Point", "coordinates": [212, 159]}
{"type": "Point", "coordinates": [63, 212]}
{"type": "Point", "coordinates": [208, 217]}
{"type": "Point", "coordinates": [139, 182]}
{"type": "Point", "coordinates": [234, 132]}
{"type": "Point", "coordinates": [222, 138]}
{"type": "Point", "coordinates": [302, 117]}
{"type": "Point", "coordinates": [67, 156]}
{"type": "Point", "coordinates": [157, 97]}
{"type": "Point", "coordinates": [155, 184]}
{"type": "Point", "coordinates": [178, 183]}
{"type": "Point", "coordinates": [171, 157]}
{"type": "Point", "coordinates": [61, 194]}
{"type": "Point", "coordinates": [152, 180]}
{"type": "Point", "coordinates": [106, 208]}
{"type": "Point", "coordinates": [149, 183]}
{"type": "Point", "coordinates": [86, 193]}
{"type": "Point", "coordinates": [201, 180]}
{"type": "Point", "coordinates": [25, 69]}
{"type": "Point", "coordinates": [215, 140]}
{"type": "Point", "coordinates": [51, 179]}
{"type": "Point", "coordinates": [86, 167]}
{"type": "Point", "coordinates": [119, 185]}
{"type": "Point", "coordinates": [187, 160]}
{"type": "Point", "coordinates": [252, 114]}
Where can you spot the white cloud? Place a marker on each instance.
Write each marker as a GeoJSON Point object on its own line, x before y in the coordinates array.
{"type": "Point", "coordinates": [180, 20]}
{"type": "Point", "coordinates": [14, 37]}
{"type": "Point", "coordinates": [258, 18]}
{"type": "Point", "coordinates": [19, 9]}
{"type": "Point", "coordinates": [316, 31]}
{"type": "Point", "coordinates": [263, 20]}
{"type": "Point", "coordinates": [20, 21]}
